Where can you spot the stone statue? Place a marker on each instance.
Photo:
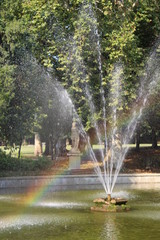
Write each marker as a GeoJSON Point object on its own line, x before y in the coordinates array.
{"type": "Point", "coordinates": [75, 154]}
{"type": "Point", "coordinates": [75, 138]}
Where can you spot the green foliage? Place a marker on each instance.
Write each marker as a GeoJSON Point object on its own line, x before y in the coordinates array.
{"type": "Point", "coordinates": [61, 37]}
{"type": "Point", "coordinates": [8, 163]}
{"type": "Point", "coordinates": [18, 116]}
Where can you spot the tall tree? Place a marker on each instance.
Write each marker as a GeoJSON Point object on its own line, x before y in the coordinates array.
{"type": "Point", "coordinates": [71, 38]}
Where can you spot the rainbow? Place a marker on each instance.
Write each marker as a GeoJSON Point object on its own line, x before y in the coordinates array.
{"type": "Point", "coordinates": [31, 197]}
{"type": "Point", "coordinates": [34, 194]}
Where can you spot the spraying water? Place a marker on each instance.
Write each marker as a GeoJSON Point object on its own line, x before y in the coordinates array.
{"type": "Point", "coordinates": [114, 152]}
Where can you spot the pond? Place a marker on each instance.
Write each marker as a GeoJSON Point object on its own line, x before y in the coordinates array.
{"type": "Point", "coordinates": [66, 215]}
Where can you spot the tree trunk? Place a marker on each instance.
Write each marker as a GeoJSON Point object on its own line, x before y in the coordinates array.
{"type": "Point", "coordinates": [137, 139]}
{"type": "Point", "coordinates": [51, 146]}
{"type": "Point", "coordinates": [52, 149]}
{"type": "Point", "coordinates": [154, 138]}
{"type": "Point", "coordinates": [37, 145]}
{"type": "Point", "coordinates": [46, 152]}
{"type": "Point", "coordinates": [57, 148]}
{"type": "Point", "coordinates": [19, 151]}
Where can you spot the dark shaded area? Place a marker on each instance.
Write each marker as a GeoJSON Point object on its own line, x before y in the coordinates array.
{"type": "Point", "coordinates": [145, 160]}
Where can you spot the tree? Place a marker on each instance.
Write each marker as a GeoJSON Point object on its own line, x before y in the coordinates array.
{"type": "Point", "coordinates": [79, 43]}
{"type": "Point", "coordinates": [58, 27]}
{"type": "Point", "coordinates": [152, 118]}
{"type": "Point", "coordinates": [18, 119]}
{"type": "Point", "coordinates": [57, 109]}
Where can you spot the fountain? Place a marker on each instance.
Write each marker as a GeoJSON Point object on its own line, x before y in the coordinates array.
{"type": "Point", "coordinates": [115, 152]}
{"type": "Point", "coordinates": [114, 156]}
{"type": "Point", "coordinates": [62, 215]}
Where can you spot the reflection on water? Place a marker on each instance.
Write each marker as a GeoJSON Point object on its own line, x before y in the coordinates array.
{"type": "Point", "coordinates": [65, 215]}
{"type": "Point", "coordinates": [59, 204]}
{"type": "Point", "coordinates": [17, 222]}
{"type": "Point", "coordinates": [110, 231]}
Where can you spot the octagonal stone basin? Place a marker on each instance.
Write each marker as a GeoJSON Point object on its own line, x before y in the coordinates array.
{"type": "Point", "coordinates": [66, 215]}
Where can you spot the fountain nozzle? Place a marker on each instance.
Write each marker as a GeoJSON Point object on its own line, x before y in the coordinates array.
{"type": "Point", "coordinates": [109, 197]}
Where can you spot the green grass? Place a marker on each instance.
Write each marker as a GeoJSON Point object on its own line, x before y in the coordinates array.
{"type": "Point", "coordinates": [27, 151]}
{"type": "Point", "coordinates": [126, 145]}
{"type": "Point", "coordinates": [142, 145]}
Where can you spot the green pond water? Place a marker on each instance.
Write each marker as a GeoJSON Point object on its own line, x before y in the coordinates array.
{"type": "Point", "coordinates": [66, 215]}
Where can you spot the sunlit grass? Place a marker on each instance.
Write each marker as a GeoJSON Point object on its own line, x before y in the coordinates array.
{"type": "Point", "coordinates": [142, 145]}
{"type": "Point", "coordinates": [27, 151]}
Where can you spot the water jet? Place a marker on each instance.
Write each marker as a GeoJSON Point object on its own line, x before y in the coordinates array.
{"type": "Point", "coordinates": [116, 139]}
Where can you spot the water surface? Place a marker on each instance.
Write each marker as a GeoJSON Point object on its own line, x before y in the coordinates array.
{"type": "Point", "coordinates": [66, 215]}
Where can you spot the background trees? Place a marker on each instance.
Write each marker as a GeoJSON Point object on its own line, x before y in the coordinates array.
{"type": "Point", "coordinates": [78, 44]}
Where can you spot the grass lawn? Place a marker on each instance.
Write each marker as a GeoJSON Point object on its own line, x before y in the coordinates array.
{"type": "Point", "coordinates": [27, 151]}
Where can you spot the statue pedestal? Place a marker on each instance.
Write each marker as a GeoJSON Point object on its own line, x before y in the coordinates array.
{"type": "Point", "coordinates": [74, 160]}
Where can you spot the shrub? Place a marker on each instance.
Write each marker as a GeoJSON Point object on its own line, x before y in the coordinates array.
{"type": "Point", "coordinates": [8, 163]}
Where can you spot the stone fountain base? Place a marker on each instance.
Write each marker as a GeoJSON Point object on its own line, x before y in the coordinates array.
{"type": "Point", "coordinates": [115, 205]}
